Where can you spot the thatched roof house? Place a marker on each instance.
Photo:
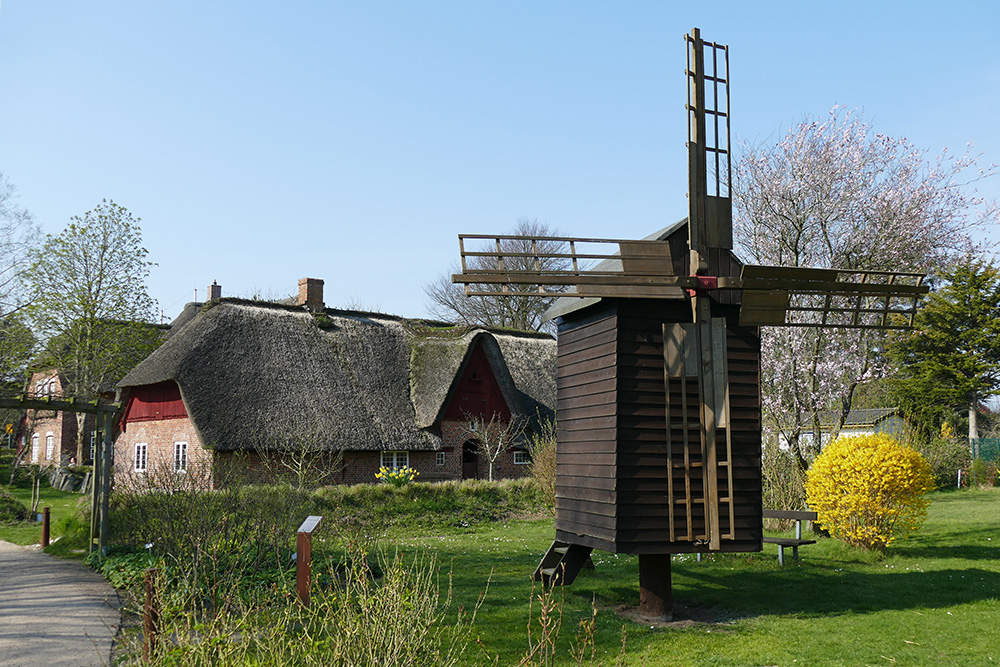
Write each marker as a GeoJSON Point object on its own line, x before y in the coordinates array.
{"type": "Point", "coordinates": [256, 377]}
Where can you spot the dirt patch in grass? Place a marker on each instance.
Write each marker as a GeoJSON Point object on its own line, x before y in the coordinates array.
{"type": "Point", "coordinates": [684, 616]}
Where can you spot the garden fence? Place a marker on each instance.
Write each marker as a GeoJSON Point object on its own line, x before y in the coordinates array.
{"type": "Point", "coordinates": [987, 449]}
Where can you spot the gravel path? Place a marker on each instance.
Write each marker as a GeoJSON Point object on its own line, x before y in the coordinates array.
{"type": "Point", "coordinates": [53, 613]}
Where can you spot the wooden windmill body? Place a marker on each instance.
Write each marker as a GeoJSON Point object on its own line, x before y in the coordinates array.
{"type": "Point", "coordinates": [658, 408]}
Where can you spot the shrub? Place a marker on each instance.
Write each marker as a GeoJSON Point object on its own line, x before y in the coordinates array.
{"type": "Point", "coordinates": [782, 480]}
{"type": "Point", "coordinates": [945, 456]}
{"type": "Point", "coordinates": [983, 473]}
{"type": "Point", "coordinates": [868, 490]}
{"type": "Point", "coordinates": [542, 447]}
{"type": "Point", "coordinates": [12, 510]}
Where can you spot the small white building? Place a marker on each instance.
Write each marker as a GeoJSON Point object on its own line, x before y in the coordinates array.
{"type": "Point", "coordinates": [859, 422]}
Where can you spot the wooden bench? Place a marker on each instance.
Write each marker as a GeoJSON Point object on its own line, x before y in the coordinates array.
{"type": "Point", "coordinates": [798, 517]}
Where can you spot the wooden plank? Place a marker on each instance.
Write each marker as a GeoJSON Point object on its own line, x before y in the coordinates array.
{"type": "Point", "coordinates": [568, 507]}
{"type": "Point", "coordinates": [605, 483]}
{"type": "Point", "coordinates": [587, 335]}
{"type": "Point", "coordinates": [593, 370]}
{"type": "Point", "coordinates": [566, 435]}
{"type": "Point", "coordinates": [586, 448]}
{"type": "Point", "coordinates": [588, 411]}
{"type": "Point", "coordinates": [586, 424]}
{"type": "Point", "coordinates": [605, 496]}
{"type": "Point", "coordinates": [586, 401]}
{"type": "Point", "coordinates": [593, 458]}
{"type": "Point", "coordinates": [801, 515]}
{"type": "Point", "coordinates": [602, 351]}
{"type": "Point", "coordinates": [590, 471]}
{"type": "Point", "coordinates": [605, 387]}
{"type": "Point", "coordinates": [595, 522]}
{"type": "Point", "coordinates": [596, 338]}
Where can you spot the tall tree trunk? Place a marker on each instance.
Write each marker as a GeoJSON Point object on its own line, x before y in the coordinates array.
{"type": "Point", "coordinates": [973, 424]}
{"type": "Point", "coordinates": [81, 428]}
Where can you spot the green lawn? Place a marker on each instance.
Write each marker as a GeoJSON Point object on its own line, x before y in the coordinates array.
{"type": "Point", "coordinates": [63, 504]}
{"type": "Point", "coordinates": [932, 600]}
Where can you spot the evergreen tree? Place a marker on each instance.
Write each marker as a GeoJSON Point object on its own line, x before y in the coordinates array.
{"type": "Point", "coordinates": [951, 359]}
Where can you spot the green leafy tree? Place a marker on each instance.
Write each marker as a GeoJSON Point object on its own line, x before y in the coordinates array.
{"type": "Point", "coordinates": [89, 302]}
{"type": "Point", "coordinates": [18, 234]}
{"type": "Point", "coordinates": [951, 359]}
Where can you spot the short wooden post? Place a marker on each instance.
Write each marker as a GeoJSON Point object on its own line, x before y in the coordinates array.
{"type": "Point", "coordinates": [655, 593]}
{"type": "Point", "coordinates": [303, 558]}
{"type": "Point", "coordinates": [45, 527]}
{"type": "Point", "coordinates": [150, 617]}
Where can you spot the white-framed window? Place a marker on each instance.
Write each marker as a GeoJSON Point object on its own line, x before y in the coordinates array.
{"type": "Point", "coordinates": [395, 459]}
{"type": "Point", "coordinates": [439, 458]}
{"type": "Point", "coordinates": [139, 461]}
{"type": "Point", "coordinates": [521, 457]}
{"type": "Point", "coordinates": [473, 426]}
{"type": "Point", "coordinates": [50, 445]}
{"type": "Point", "coordinates": [180, 457]}
{"type": "Point", "coordinates": [93, 445]}
{"type": "Point", "coordinates": [34, 448]}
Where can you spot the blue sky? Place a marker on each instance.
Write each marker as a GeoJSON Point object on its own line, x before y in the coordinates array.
{"type": "Point", "coordinates": [352, 141]}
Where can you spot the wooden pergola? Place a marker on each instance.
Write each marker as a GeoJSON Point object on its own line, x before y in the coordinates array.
{"type": "Point", "coordinates": [103, 462]}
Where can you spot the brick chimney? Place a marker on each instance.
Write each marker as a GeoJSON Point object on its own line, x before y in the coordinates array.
{"type": "Point", "coordinates": [311, 294]}
{"type": "Point", "coordinates": [214, 291]}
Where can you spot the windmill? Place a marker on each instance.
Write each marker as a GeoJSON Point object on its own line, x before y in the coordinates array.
{"type": "Point", "coordinates": [658, 442]}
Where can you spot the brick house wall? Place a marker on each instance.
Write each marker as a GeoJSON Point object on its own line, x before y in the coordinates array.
{"type": "Point", "coordinates": [454, 435]}
{"type": "Point", "coordinates": [62, 426]}
{"type": "Point", "coordinates": [159, 438]}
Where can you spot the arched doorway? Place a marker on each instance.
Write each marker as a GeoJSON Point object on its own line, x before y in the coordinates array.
{"type": "Point", "coordinates": [470, 460]}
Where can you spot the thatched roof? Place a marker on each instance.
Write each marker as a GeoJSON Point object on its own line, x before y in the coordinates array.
{"type": "Point", "coordinates": [255, 375]}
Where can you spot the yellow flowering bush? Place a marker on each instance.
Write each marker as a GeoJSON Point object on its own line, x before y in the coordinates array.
{"type": "Point", "coordinates": [868, 490]}
{"type": "Point", "coordinates": [396, 476]}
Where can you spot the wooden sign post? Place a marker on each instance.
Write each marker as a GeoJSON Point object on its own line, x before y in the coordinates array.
{"type": "Point", "coordinates": [303, 558]}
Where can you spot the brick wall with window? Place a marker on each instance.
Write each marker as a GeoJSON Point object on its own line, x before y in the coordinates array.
{"type": "Point", "coordinates": [454, 435]}
{"type": "Point", "coordinates": [160, 440]}
{"type": "Point", "coordinates": [60, 449]}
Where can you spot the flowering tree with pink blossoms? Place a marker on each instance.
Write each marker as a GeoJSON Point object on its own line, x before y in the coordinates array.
{"type": "Point", "coordinates": [835, 194]}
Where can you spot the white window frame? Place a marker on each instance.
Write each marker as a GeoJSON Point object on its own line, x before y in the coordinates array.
{"type": "Point", "coordinates": [395, 460]}
{"type": "Point", "coordinates": [440, 458]}
{"type": "Point", "coordinates": [50, 446]}
{"type": "Point", "coordinates": [180, 456]}
{"type": "Point", "coordinates": [521, 457]}
{"type": "Point", "coordinates": [140, 458]}
{"type": "Point", "coordinates": [34, 448]}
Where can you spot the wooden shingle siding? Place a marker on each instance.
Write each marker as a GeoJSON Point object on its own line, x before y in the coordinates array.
{"type": "Point", "coordinates": [612, 489]}
{"type": "Point", "coordinates": [585, 455]}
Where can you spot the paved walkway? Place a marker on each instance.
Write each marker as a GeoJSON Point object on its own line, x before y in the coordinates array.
{"type": "Point", "coordinates": [53, 613]}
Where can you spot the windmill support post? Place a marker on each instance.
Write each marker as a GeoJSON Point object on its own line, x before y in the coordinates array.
{"type": "Point", "coordinates": [655, 590]}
